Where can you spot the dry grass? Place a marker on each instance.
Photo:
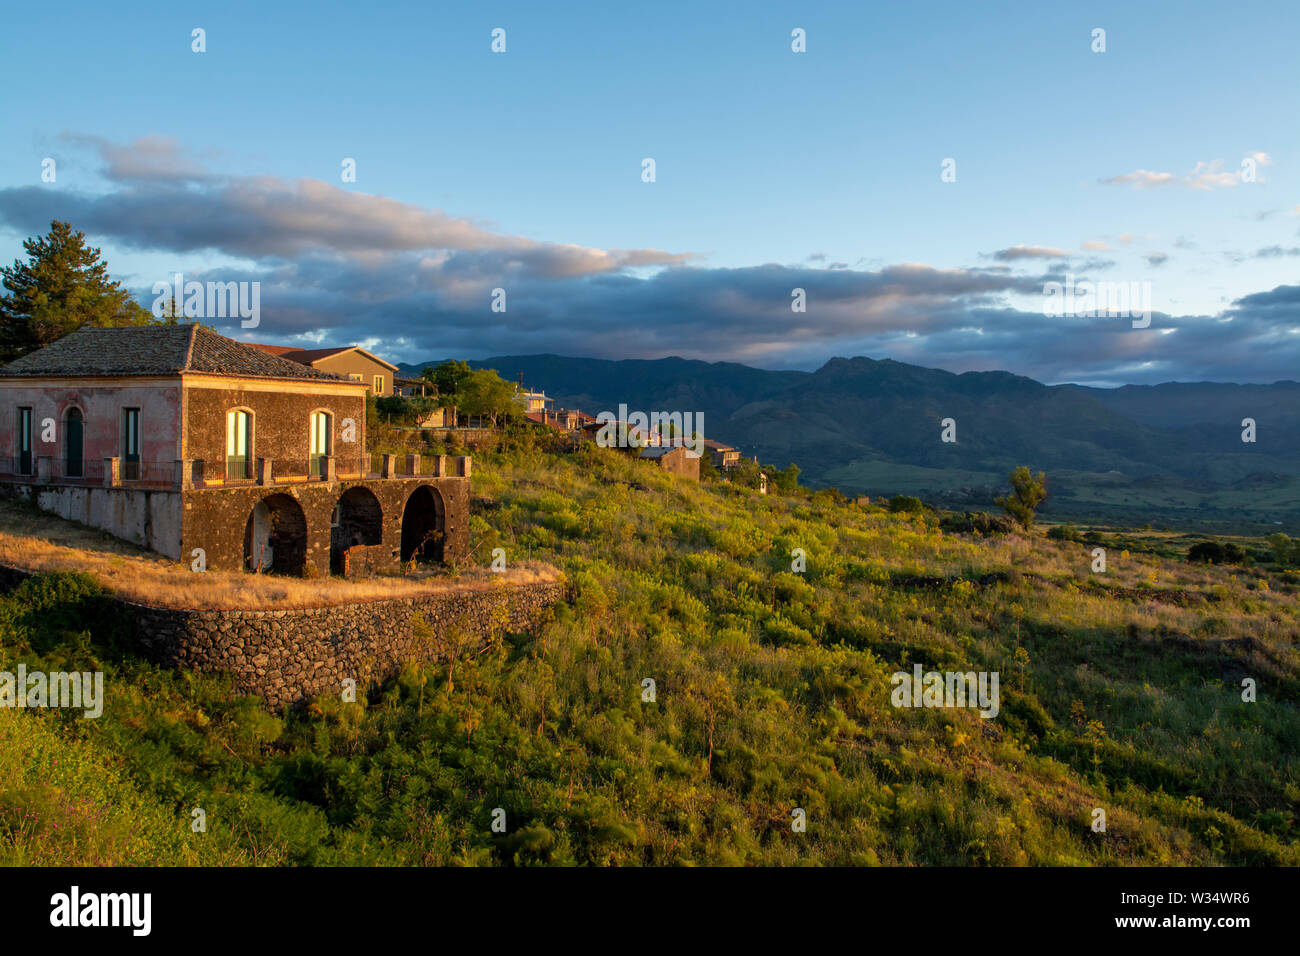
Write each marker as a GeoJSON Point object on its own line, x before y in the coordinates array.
{"type": "Point", "coordinates": [35, 541]}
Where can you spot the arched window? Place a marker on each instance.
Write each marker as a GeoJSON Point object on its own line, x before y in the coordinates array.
{"type": "Point", "coordinates": [130, 444]}
{"type": "Point", "coordinates": [73, 437]}
{"type": "Point", "coordinates": [24, 441]}
{"type": "Point", "coordinates": [239, 444]}
{"type": "Point", "coordinates": [322, 439]}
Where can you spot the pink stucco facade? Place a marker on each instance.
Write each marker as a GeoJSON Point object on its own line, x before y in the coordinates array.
{"type": "Point", "coordinates": [101, 404]}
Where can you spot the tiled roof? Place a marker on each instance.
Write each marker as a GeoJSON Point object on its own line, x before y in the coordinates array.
{"type": "Point", "coordinates": [549, 419]}
{"type": "Point", "coordinates": [155, 350]}
{"type": "Point", "coordinates": [658, 451]}
{"type": "Point", "coordinates": [309, 356]}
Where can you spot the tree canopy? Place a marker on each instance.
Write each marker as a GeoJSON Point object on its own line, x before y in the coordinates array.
{"type": "Point", "coordinates": [63, 286]}
{"type": "Point", "coordinates": [478, 393]}
{"type": "Point", "coordinates": [485, 394]}
{"type": "Point", "coordinates": [407, 410]}
{"type": "Point", "coordinates": [447, 376]}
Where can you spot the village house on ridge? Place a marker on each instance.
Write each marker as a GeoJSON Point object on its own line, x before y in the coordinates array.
{"type": "Point", "coordinates": [189, 443]}
{"type": "Point", "coordinates": [350, 361]}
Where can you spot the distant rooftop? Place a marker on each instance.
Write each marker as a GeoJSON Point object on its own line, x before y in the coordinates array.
{"type": "Point", "coordinates": [658, 451]}
{"type": "Point", "coordinates": [156, 350]}
{"type": "Point", "coordinates": [307, 356]}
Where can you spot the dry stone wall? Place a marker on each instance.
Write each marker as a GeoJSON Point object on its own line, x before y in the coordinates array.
{"type": "Point", "coordinates": [286, 656]}
{"type": "Point", "coordinates": [290, 655]}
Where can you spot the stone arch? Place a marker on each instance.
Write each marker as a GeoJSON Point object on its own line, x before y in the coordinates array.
{"type": "Point", "coordinates": [275, 536]}
{"type": "Point", "coordinates": [424, 525]}
{"type": "Point", "coordinates": [358, 519]}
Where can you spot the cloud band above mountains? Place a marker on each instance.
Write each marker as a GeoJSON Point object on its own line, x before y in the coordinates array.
{"type": "Point", "coordinates": [357, 267]}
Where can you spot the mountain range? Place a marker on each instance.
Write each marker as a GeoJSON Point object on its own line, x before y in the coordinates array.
{"type": "Point", "coordinates": [1162, 454]}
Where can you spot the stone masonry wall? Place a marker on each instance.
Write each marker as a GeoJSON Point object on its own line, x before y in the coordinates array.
{"type": "Point", "coordinates": [215, 519]}
{"type": "Point", "coordinates": [363, 560]}
{"type": "Point", "coordinates": [281, 426]}
{"type": "Point", "coordinates": [287, 656]}
{"type": "Point", "coordinates": [290, 655]}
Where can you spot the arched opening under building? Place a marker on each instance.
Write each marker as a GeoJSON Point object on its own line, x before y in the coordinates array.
{"type": "Point", "coordinates": [275, 537]}
{"type": "Point", "coordinates": [358, 519]}
{"type": "Point", "coordinates": [424, 525]}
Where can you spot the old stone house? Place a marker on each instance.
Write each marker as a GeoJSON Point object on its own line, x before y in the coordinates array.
{"type": "Point", "coordinates": [219, 454]}
{"type": "Point", "coordinates": [675, 459]}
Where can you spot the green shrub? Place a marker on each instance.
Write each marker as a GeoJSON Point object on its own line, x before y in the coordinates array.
{"type": "Point", "coordinates": [977, 522]}
{"type": "Point", "coordinates": [1064, 532]}
{"type": "Point", "coordinates": [1215, 552]}
{"type": "Point", "coordinates": [906, 504]}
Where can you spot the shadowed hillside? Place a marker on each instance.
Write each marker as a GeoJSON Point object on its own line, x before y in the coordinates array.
{"type": "Point", "coordinates": [1168, 454]}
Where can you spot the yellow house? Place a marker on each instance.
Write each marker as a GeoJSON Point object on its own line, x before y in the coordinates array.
{"type": "Point", "coordinates": [351, 361]}
{"type": "Point", "coordinates": [531, 400]}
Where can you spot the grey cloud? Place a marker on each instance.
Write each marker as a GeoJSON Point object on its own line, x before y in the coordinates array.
{"type": "Point", "coordinates": [954, 319]}
{"type": "Point", "coordinates": [339, 267]}
{"type": "Point", "coordinates": [1029, 252]}
{"type": "Point", "coordinates": [267, 218]}
{"type": "Point", "coordinates": [155, 159]}
{"type": "Point", "coordinates": [167, 201]}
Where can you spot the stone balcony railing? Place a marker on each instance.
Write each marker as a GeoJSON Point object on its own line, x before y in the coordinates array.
{"type": "Point", "coordinates": [198, 473]}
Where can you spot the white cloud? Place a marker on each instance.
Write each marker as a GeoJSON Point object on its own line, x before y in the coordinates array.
{"type": "Point", "coordinates": [1143, 178]}
{"type": "Point", "coordinates": [1206, 175]}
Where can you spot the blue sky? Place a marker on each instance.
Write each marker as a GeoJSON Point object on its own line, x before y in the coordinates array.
{"type": "Point", "coordinates": [819, 170]}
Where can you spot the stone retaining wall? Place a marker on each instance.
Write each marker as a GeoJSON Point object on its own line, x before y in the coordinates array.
{"type": "Point", "coordinates": [148, 518]}
{"type": "Point", "coordinates": [286, 656]}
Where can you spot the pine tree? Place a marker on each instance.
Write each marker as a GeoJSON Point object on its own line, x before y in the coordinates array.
{"type": "Point", "coordinates": [63, 286]}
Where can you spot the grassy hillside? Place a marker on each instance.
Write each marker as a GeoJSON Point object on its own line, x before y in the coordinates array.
{"type": "Point", "coordinates": [1119, 691]}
